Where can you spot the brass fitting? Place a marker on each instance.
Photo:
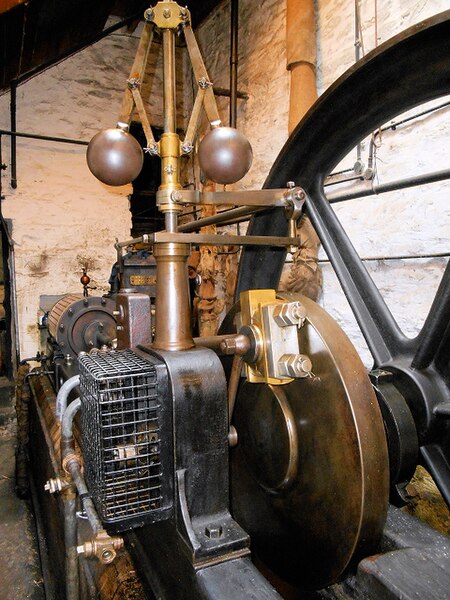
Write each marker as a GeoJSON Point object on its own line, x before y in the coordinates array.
{"type": "Point", "coordinates": [167, 15]}
{"type": "Point", "coordinates": [68, 459]}
{"type": "Point", "coordinates": [103, 546]}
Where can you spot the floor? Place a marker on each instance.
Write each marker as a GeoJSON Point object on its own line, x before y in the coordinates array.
{"type": "Point", "coordinates": [19, 559]}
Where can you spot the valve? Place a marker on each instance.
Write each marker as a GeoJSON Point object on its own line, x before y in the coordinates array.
{"type": "Point", "coordinates": [103, 546]}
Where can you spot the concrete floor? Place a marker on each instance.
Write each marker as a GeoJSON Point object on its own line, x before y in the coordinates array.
{"type": "Point", "coordinates": [20, 574]}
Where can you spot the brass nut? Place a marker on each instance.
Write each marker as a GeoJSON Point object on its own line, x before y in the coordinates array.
{"type": "Point", "coordinates": [295, 365]}
{"type": "Point", "coordinates": [68, 459]}
{"type": "Point", "coordinates": [289, 313]}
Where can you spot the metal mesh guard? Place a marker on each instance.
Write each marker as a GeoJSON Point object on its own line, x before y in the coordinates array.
{"type": "Point", "coordinates": [120, 433]}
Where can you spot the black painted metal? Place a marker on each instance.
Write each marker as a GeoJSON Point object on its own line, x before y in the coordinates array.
{"type": "Point", "coordinates": [185, 557]}
{"type": "Point", "coordinates": [412, 68]}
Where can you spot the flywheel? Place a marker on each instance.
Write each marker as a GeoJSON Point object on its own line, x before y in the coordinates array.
{"type": "Point", "coordinates": [310, 469]}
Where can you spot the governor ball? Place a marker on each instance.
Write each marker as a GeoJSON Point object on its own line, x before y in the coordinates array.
{"type": "Point", "coordinates": [115, 157]}
{"type": "Point", "coordinates": [225, 155]}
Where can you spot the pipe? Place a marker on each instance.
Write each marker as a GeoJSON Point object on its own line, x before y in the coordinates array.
{"type": "Point", "coordinates": [301, 58]}
{"type": "Point", "coordinates": [73, 466]}
{"type": "Point", "coordinates": [63, 394]}
{"type": "Point", "coordinates": [13, 114]}
{"type": "Point", "coordinates": [234, 28]}
{"type": "Point", "coordinates": [46, 138]}
{"type": "Point", "coordinates": [71, 543]}
{"type": "Point", "coordinates": [360, 191]}
{"type": "Point", "coordinates": [69, 503]}
{"type": "Point", "coordinates": [220, 91]}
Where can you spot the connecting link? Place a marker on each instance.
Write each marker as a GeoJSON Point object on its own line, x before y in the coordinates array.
{"type": "Point", "coordinates": [295, 199]}
{"type": "Point", "coordinates": [56, 485]}
{"type": "Point", "coordinates": [103, 546]}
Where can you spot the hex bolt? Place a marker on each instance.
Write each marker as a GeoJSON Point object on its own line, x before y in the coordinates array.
{"type": "Point", "coordinates": [289, 313]}
{"type": "Point", "coordinates": [295, 365]}
{"type": "Point", "coordinates": [213, 531]}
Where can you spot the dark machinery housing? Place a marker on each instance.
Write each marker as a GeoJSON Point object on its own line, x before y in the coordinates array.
{"type": "Point", "coordinates": [275, 484]}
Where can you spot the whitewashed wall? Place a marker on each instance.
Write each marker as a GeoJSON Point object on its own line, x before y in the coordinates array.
{"type": "Point", "coordinates": [62, 217]}
{"type": "Point", "coordinates": [403, 223]}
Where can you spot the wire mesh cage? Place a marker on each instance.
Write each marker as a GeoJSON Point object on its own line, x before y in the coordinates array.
{"type": "Point", "coordinates": [121, 416]}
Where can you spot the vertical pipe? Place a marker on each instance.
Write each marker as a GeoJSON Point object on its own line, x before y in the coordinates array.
{"type": "Point", "coordinates": [13, 108]}
{"type": "Point", "coordinates": [70, 542]}
{"type": "Point", "coordinates": [301, 58]}
{"type": "Point", "coordinates": [234, 28]}
{"type": "Point", "coordinates": [357, 57]}
{"type": "Point", "coordinates": [170, 124]}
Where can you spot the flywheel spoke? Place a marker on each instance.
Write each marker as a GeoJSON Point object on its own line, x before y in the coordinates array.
{"type": "Point", "coordinates": [382, 334]}
{"type": "Point", "coordinates": [438, 466]}
{"type": "Point", "coordinates": [434, 338]}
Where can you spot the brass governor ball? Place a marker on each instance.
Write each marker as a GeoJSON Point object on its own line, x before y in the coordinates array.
{"type": "Point", "coordinates": [115, 157]}
{"type": "Point", "coordinates": [225, 155]}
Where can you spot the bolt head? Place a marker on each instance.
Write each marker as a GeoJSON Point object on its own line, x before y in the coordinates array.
{"type": "Point", "coordinates": [295, 365]}
{"type": "Point", "coordinates": [213, 531]}
{"type": "Point", "coordinates": [289, 313]}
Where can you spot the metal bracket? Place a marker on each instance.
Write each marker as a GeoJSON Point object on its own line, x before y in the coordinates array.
{"type": "Point", "coordinates": [273, 326]}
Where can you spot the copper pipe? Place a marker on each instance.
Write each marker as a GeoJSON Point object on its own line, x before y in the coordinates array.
{"type": "Point", "coordinates": [301, 58]}
{"type": "Point", "coordinates": [172, 319]}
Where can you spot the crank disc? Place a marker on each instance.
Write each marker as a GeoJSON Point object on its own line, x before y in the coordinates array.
{"type": "Point", "coordinates": [310, 471]}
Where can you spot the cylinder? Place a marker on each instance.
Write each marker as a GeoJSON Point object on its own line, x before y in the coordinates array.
{"type": "Point", "coordinates": [173, 330]}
